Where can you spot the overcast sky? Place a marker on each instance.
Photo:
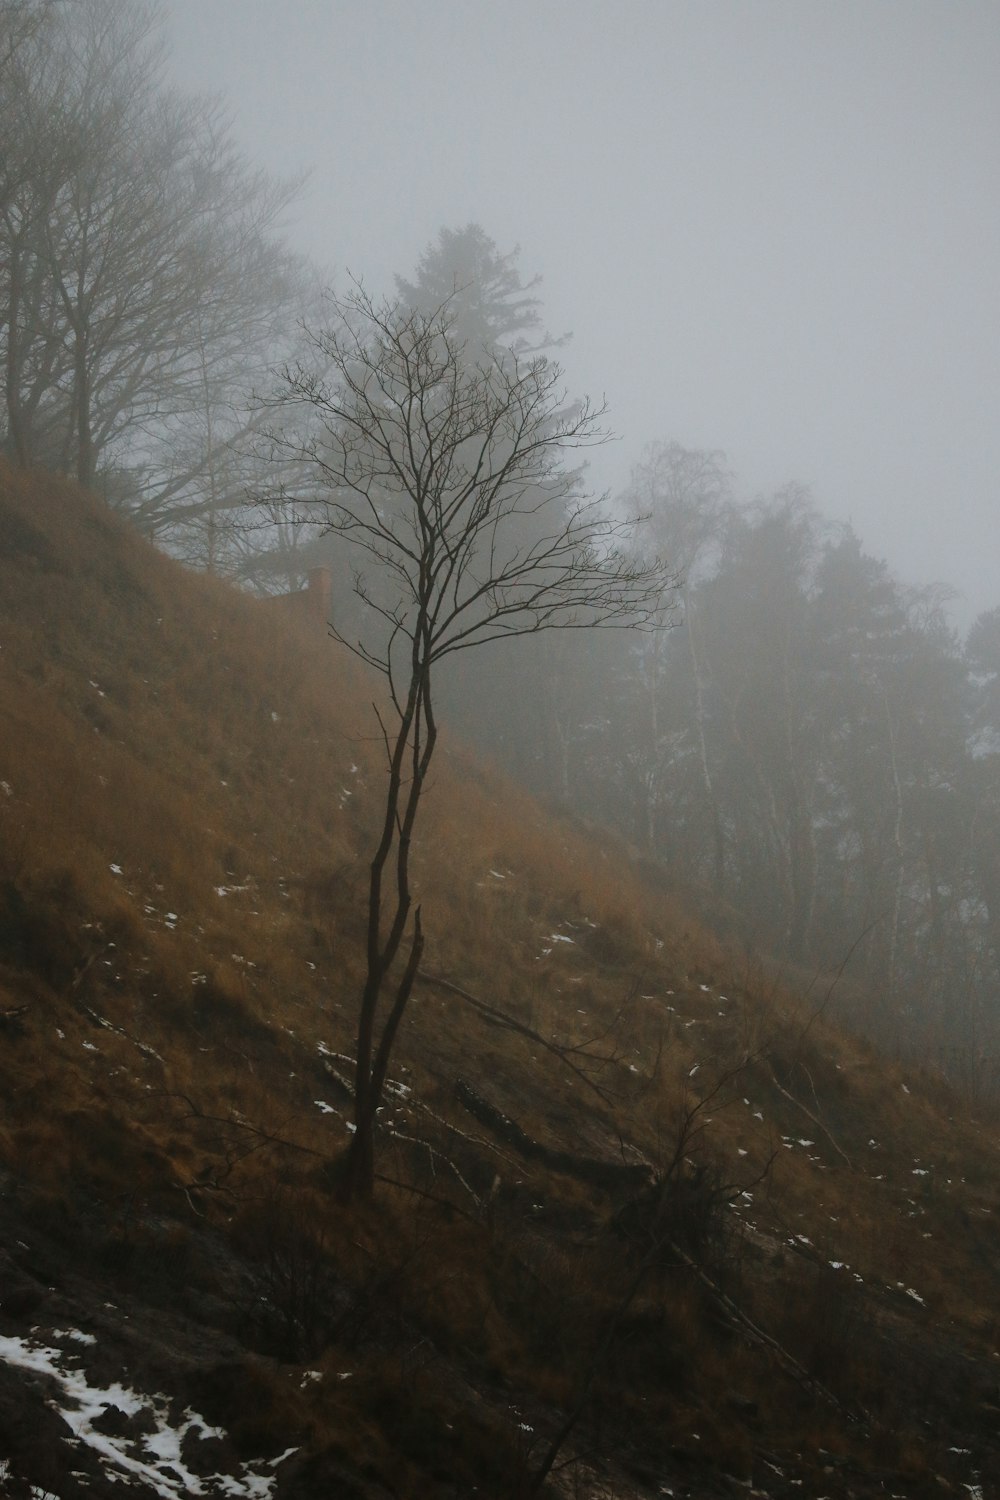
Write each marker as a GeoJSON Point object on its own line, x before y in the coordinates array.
{"type": "Point", "coordinates": [772, 228]}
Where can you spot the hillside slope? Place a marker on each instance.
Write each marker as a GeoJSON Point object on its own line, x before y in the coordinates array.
{"type": "Point", "coordinates": [647, 1224]}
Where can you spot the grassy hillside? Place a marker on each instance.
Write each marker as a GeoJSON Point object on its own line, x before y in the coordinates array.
{"type": "Point", "coordinates": [634, 1195]}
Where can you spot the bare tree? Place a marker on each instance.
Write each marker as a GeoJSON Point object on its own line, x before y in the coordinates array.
{"type": "Point", "coordinates": [444, 469]}
{"type": "Point", "coordinates": [144, 286]}
{"type": "Point", "coordinates": [31, 171]}
{"type": "Point", "coordinates": [686, 494]}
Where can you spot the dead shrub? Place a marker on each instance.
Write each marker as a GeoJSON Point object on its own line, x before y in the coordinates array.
{"type": "Point", "coordinates": [685, 1211]}
{"type": "Point", "coordinates": [294, 1303]}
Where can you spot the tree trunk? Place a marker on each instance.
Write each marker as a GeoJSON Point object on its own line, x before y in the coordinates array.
{"type": "Point", "coordinates": [15, 426]}
{"type": "Point", "coordinates": [417, 734]}
{"type": "Point", "coordinates": [85, 456]}
{"type": "Point", "coordinates": [358, 1181]}
{"type": "Point", "coordinates": [718, 836]}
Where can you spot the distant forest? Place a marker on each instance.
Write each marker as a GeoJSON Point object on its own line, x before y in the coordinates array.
{"type": "Point", "coordinates": [805, 743]}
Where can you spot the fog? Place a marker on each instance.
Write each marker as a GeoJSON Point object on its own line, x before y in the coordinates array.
{"type": "Point", "coordinates": [772, 229]}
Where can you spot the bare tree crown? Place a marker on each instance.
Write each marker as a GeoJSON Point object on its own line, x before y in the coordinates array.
{"type": "Point", "coordinates": [445, 467]}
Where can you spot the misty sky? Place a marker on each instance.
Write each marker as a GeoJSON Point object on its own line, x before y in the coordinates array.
{"type": "Point", "coordinates": [773, 228]}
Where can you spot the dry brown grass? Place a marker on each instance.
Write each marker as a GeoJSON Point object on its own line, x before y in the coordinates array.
{"type": "Point", "coordinates": [193, 784]}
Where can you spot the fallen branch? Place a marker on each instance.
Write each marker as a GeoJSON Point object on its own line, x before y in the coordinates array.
{"type": "Point", "coordinates": [410, 1101]}
{"type": "Point", "coordinates": [511, 1023]}
{"type": "Point", "coordinates": [741, 1320]}
{"type": "Point", "coordinates": [814, 1119]}
{"type": "Point", "coordinates": [606, 1174]}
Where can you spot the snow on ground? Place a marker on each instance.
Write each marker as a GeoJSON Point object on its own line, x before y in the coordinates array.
{"type": "Point", "coordinates": [155, 1456]}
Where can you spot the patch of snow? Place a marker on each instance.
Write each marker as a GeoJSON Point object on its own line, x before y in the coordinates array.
{"type": "Point", "coordinates": [161, 1467]}
{"type": "Point", "coordinates": [115, 869]}
{"type": "Point", "coordinates": [324, 1108]}
{"type": "Point", "coordinates": [6, 788]}
{"type": "Point", "coordinates": [558, 937]}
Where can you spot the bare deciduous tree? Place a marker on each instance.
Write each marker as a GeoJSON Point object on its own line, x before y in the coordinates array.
{"type": "Point", "coordinates": [144, 287]}
{"type": "Point", "coordinates": [444, 468]}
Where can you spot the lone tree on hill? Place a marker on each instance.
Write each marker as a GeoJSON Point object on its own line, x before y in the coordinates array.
{"type": "Point", "coordinates": [443, 468]}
